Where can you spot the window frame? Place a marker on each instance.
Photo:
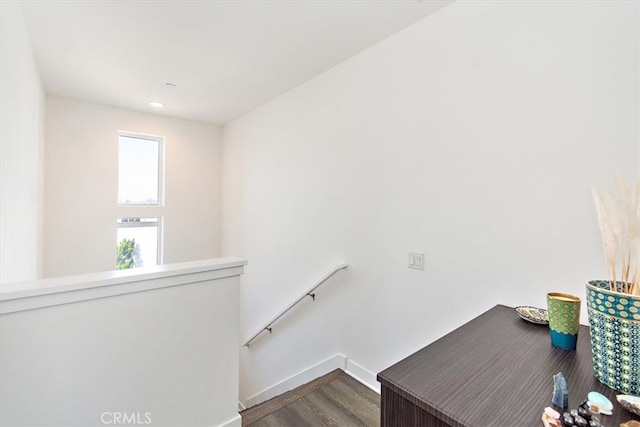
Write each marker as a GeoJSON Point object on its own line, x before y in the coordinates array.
{"type": "Point", "coordinates": [161, 160]}
{"type": "Point", "coordinates": [143, 224]}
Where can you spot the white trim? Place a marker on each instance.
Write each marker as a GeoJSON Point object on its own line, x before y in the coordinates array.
{"type": "Point", "coordinates": [63, 290]}
{"type": "Point", "coordinates": [233, 422]}
{"type": "Point", "coordinates": [241, 407]}
{"type": "Point", "coordinates": [362, 375]}
{"type": "Point", "coordinates": [331, 364]}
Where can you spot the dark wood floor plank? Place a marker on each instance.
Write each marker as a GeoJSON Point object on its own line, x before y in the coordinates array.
{"type": "Point", "coordinates": [333, 400]}
{"type": "Point", "coordinates": [294, 414]}
{"type": "Point", "coordinates": [345, 385]}
{"type": "Point", "coordinates": [333, 413]}
{"type": "Point", "coordinates": [355, 398]}
{"type": "Point", "coordinates": [271, 420]}
{"type": "Point", "coordinates": [257, 412]}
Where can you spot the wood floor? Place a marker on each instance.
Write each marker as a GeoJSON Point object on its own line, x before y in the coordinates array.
{"type": "Point", "coordinates": [335, 399]}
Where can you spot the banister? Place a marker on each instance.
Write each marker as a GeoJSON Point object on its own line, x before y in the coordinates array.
{"type": "Point", "coordinates": [308, 293]}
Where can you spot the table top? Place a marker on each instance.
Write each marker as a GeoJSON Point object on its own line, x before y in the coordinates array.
{"type": "Point", "coordinates": [497, 370]}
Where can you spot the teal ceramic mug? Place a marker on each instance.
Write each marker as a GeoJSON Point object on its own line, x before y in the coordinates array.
{"type": "Point", "coordinates": [564, 319]}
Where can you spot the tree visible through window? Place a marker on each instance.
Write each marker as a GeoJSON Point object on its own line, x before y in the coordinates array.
{"type": "Point", "coordinates": [128, 254]}
{"type": "Point", "coordinates": [137, 243]}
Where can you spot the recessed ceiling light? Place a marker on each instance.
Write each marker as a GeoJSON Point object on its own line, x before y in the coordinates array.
{"type": "Point", "coordinates": [156, 104]}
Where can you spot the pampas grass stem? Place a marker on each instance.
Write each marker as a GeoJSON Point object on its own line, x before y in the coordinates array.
{"type": "Point", "coordinates": [619, 222]}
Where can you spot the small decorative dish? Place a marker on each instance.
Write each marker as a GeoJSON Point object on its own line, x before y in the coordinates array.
{"type": "Point", "coordinates": [533, 314]}
{"type": "Point", "coordinates": [630, 403]}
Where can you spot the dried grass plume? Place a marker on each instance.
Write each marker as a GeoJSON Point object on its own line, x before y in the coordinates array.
{"type": "Point", "coordinates": [619, 220]}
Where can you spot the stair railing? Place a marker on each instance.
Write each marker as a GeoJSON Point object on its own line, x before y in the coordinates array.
{"type": "Point", "coordinates": [308, 293]}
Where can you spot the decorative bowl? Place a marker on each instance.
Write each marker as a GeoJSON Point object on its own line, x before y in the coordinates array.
{"type": "Point", "coordinates": [533, 314]}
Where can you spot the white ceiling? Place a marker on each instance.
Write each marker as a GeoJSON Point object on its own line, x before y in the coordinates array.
{"type": "Point", "coordinates": [225, 57]}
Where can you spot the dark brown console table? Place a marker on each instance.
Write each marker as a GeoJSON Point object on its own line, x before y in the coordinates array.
{"type": "Point", "coordinates": [495, 370]}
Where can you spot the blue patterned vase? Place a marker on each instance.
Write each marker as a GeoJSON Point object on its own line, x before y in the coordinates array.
{"type": "Point", "coordinates": [614, 321]}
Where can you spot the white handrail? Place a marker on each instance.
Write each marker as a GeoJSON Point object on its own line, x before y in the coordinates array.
{"type": "Point", "coordinates": [309, 293]}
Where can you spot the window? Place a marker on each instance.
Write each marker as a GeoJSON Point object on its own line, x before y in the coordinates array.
{"type": "Point", "coordinates": [140, 182]}
{"type": "Point", "coordinates": [140, 171]}
{"type": "Point", "coordinates": [138, 243]}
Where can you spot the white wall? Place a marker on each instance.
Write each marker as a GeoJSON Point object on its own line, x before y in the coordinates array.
{"type": "Point", "coordinates": [82, 184]}
{"type": "Point", "coordinates": [21, 150]}
{"type": "Point", "coordinates": [473, 136]}
{"type": "Point", "coordinates": [163, 348]}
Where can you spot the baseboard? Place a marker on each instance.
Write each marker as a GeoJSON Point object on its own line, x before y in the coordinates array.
{"type": "Point", "coordinates": [233, 422]}
{"type": "Point", "coordinates": [241, 407]}
{"type": "Point", "coordinates": [339, 361]}
{"type": "Point", "coordinates": [335, 362]}
{"type": "Point", "coordinates": [363, 375]}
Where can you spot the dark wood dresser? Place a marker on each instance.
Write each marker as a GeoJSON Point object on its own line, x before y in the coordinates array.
{"type": "Point", "coordinates": [495, 370]}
